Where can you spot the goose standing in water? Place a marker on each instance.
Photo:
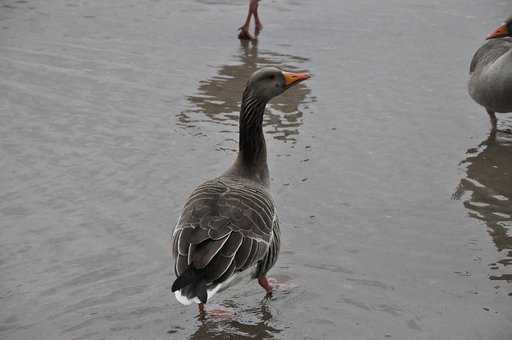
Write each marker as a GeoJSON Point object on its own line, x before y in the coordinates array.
{"type": "Point", "coordinates": [490, 84]}
{"type": "Point", "coordinates": [229, 225]}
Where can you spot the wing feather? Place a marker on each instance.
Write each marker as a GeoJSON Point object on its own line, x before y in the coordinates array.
{"type": "Point", "coordinates": [261, 250]}
{"type": "Point", "coordinates": [217, 267]}
{"type": "Point", "coordinates": [199, 235]}
{"type": "Point", "coordinates": [176, 237]}
{"type": "Point", "coordinates": [181, 264]}
{"type": "Point", "coordinates": [227, 273]}
{"type": "Point", "coordinates": [184, 240]}
{"type": "Point", "coordinates": [203, 253]}
{"type": "Point", "coordinates": [252, 253]}
{"type": "Point", "coordinates": [219, 233]}
{"type": "Point", "coordinates": [232, 245]}
{"type": "Point", "coordinates": [243, 253]}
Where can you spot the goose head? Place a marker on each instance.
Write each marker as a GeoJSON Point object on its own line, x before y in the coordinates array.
{"type": "Point", "coordinates": [270, 82]}
{"type": "Point", "coordinates": [505, 30]}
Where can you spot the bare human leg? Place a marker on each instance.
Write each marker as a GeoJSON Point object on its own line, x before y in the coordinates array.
{"type": "Point", "coordinates": [257, 25]}
{"type": "Point", "coordinates": [244, 29]}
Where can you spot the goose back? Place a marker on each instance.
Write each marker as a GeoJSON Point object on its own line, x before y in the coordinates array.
{"type": "Point", "coordinates": [490, 84]}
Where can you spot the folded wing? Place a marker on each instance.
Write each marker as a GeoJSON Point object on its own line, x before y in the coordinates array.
{"type": "Point", "coordinates": [226, 227]}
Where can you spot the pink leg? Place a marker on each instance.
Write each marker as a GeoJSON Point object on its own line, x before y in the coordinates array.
{"type": "Point", "coordinates": [201, 308]}
{"type": "Point", "coordinates": [492, 116]}
{"type": "Point", "coordinates": [262, 280]}
{"type": "Point", "coordinates": [272, 285]}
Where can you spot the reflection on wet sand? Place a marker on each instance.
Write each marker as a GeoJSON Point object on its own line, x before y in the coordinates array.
{"type": "Point", "coordinates": [218, 98]}
{"type": "Point", "coordinates": [489, 185]}
{"type": "Point", "coordinates": [257, 325]}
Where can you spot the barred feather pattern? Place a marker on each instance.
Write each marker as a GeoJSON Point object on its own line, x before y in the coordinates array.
{"type": "Point", "coordinates": [228, 225]}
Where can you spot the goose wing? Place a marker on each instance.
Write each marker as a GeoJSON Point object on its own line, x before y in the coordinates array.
{"type": "Point", "coordinates": [226, 226]}
{"type": "Point", "coordinates": [489, 52]}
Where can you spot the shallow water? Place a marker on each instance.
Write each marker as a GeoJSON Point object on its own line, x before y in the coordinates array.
{"type": "Point", "coordinates": [393, 198]}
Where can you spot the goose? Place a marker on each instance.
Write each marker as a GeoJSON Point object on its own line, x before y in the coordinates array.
{"type": "Point", "coordinates": [244, 29]}
{"type": "Point", "coordinates": [228, 228]}
{"type": "Point", "coordinates": [490, 83]}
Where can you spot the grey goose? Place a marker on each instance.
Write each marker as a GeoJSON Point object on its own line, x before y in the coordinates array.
{"type": "Point", "coordinates": [490, 83]}
{"type": "Point", "coordinates": [229, 228]}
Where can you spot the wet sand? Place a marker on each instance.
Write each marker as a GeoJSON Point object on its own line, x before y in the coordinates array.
{"type": "Point", "coordinates": [394, 200]}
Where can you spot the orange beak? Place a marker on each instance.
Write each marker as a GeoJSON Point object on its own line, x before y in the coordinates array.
{"type": "Point", "coordinates": [500, 32]}
{"type": "Point", "coordinates": [291, 78]}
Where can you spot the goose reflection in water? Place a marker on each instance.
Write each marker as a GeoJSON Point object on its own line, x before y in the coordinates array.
{"type": "Point", "coordinates": [218, 99]}
{"type": "Point", "coordinates": [488, 182]}
{"type": "Point", "coordinates": [256, 325]}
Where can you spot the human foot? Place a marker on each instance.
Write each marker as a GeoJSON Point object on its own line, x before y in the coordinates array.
{"type": "Point", "coordinates": [245, 34]}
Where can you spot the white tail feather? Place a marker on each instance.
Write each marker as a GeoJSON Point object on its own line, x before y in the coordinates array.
{"type": "Point", "coordinates": [210, 292]}
{"type": "Point", "coordinates": [186, 301]}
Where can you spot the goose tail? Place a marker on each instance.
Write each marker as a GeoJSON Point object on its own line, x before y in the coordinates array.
{"type": "Point", "coordinates": [190, 287]}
